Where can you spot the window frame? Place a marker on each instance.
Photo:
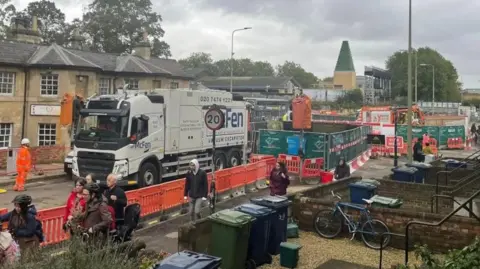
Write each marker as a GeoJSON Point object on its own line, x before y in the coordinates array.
{"type": "Point", "coordinates": [42, 143]}
{"type": "Point", "coordinates": [134, 80]}
{"type": "Point", "coordinates": [45, 78]}
{"type": "Point", "coordinates": [13, 84]}
{"type": "Point", "coordinates": [108, 84]}
{"type": "Point", "coordinates": [10, 129]}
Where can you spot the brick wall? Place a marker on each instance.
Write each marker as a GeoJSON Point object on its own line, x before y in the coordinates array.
{"type": "Point", "coordinates": [40, 155]}
{"type": "Point", "coordinates": [455, 233]}
{"type": "Point", "coordinates": [415, 196]}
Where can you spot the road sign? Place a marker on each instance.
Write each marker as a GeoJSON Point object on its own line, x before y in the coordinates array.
{"type": "Point", "coordinates": [390, 141]}
{"type": "Point", "coordinates": [214, 118]}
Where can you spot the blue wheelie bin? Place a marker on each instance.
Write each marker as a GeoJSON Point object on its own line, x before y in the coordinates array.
{"type": "Point", "coordinates": [278, 229]}
{"type": "Point", "coordinates": [189, 260]}
{"type": "Point", "coordinates": [259, 232]}
{"type": "Point", "coordinates": [422, 170]}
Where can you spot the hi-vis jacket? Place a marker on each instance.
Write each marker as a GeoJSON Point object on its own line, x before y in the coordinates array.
{"type": "Point", "coordinates": [24, 160]}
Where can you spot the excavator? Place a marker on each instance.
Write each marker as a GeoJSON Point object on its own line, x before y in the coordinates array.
{"type": "Point", "coordinates": [69, 116]}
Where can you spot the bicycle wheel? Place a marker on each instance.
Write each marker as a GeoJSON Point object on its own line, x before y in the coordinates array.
{"type": "Point", "coordinates": [327, 224]}
{"type": "Point", "coordinates": [371, 234]}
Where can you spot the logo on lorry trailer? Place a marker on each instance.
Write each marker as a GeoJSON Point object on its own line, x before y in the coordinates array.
{"type": "Point", "coordinates": [233, 119]}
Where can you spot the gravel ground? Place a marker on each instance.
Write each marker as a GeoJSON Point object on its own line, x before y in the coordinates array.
{"type": "Point", "coordinates": [316, 250]}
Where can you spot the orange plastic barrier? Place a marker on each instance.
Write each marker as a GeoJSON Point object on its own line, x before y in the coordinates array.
{"type": "Point", "coordinates": [3, 211]}
{"type": "Point", "coordinates": [292, 162]}
{"type": "Point", "coordinates": [259, 157]}
{"type": "Point", "coordinates": [237, 177]}
{"type": "Point", "coordinates": [455, 143]}
{"type": "Point", "coordinates": [312, 167]}
{"type": "Point", "coordinates": [169, 195]}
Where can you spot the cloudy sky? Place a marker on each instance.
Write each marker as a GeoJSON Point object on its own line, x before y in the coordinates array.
{"type": "Point", "coordinates": [310, 32]}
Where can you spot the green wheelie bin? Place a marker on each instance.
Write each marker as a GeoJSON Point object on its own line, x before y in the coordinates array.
{"type": "Point", "coordinates": [229, 238]}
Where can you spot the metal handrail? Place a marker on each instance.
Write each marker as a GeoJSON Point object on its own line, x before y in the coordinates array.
{"type": "Point", "coordinates": [449, 171]}
{"type": "Point", "coordinates": [470, 176]}
{"type": "Point", "coordinates": [434, 224]}
{"type": "Point", "coordinates": [381, 246]}
{"type": "Point", "coordinates": [468, 208]}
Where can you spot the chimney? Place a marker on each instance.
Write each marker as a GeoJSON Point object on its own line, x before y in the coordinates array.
{"type": "Point", "coordinates": [143, 48]}
{"type": "Point", "coordinates": [22, 32]}
{"type": "Point", "coordinates": [77, 39]}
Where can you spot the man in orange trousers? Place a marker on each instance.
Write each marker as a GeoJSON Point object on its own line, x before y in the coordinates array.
{"type": "Point", "coordinates": [24, 164]}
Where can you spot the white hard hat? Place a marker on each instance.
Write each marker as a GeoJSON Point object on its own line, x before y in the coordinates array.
{"type": "Point", "coordinates": [25, 141]}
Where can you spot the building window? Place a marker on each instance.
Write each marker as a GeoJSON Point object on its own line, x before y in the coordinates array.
{"type": "Point", "coordinates": [47, 134]}
{"type": "Point", "coordinates": [5, 135]}
{"type": "Point", "coordinates": [133, 82]}
{"type": "Point", "coordinates": [157, 84]}
{"type": "Point", "coordinates": [7, 83]}
{"type": "Point", "coordinates": [49, 85]}
{"type": "Point", "coordinates": [173, 85]}
{"type": "Point", "coordinates": [104, 86]}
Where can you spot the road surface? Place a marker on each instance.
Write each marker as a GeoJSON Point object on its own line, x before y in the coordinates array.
{"type": "Point", "coordinates": [52, 193]}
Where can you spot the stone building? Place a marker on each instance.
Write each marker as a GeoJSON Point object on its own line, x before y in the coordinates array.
{"type": "Point", "coordinates": [34, 77]}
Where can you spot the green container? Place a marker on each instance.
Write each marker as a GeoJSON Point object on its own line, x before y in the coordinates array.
{"type": "Point", "coordinates": [229, 238]}
{"type": "Point", "coordinates": [292, 230]}
{"type": "Point", "coordinates": [386, 202]}
{"type": "Point", "coordinates": [289, 254]}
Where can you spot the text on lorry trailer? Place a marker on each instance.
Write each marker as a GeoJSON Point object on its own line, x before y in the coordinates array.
{"type": "Point", "coordinates": [233, 119]}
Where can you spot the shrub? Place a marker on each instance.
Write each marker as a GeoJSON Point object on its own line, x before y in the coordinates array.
{"type": "Point", "coordinates": [466, 258]}
{"type": "Point", "coordinates": [75, 254]}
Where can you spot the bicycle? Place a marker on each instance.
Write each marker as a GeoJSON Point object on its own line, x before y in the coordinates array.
{"type": "Point", "coordinates": [336, 218]}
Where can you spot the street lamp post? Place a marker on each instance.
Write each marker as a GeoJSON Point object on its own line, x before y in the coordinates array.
{"type": "Point", "coordinates": [433, 85]}
{"type": "Point", "coordinates": [231, 56]}
{"type": "Point", "coordinates": [416, 76]}
{"type": "Point", "coordinates": [409, 89]}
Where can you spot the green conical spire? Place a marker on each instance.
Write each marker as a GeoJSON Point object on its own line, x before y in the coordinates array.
{"type": "Point", "coordinates": [345, 60]}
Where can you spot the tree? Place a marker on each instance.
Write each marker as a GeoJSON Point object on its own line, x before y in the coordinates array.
{"type": "Point", "coordinates": [241, 67]}
{"type": "Point", "coordinates": [447, 86]}
{"type": "Point", "coordinates": [51, 21]}
{"type": "Point", "coordinates": [200, 60]}
{"type": "Point", "coordinates": [7, 11]}
{"type": "Point", "coordinates": [115, 26]}
{"type": "Point", "coordinates": [291, 69]}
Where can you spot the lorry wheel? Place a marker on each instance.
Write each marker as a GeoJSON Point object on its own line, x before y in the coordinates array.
{"type": "Point", "coordinates": [148, 175]}
{"type": "Point", "coordinates": [234, 158]}
{"type": "Point", "coordinates": [220, 160]}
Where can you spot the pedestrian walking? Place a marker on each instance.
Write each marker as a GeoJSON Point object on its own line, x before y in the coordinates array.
{"type": "Point", "coordinates": [196, 189]}
{"type": "Point", "coordinates": [116, 198]}
{"type": "Point", "coordinates": [279, 179]}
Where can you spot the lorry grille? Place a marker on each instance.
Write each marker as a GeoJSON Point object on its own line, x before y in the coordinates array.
{"type": "Point", "coordinates": [98, 167]}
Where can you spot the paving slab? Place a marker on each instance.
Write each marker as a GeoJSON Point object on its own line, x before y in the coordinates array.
{"type": "Point", "coordinates": [337, 264]}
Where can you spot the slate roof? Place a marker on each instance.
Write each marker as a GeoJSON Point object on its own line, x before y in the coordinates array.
{"type": "Point", "coordinates": [14, 53]}
{"type": "Point", "coordinates": [248, 83]}
{"type": "Point", "coordinates": [345, 60]}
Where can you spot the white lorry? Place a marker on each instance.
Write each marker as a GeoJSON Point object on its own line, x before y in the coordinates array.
{"type": "Point", "coordinates": [148, 137]}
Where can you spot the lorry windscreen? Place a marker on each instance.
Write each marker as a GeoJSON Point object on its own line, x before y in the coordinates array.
{"type": "Point", "coordinates": [103, 127]}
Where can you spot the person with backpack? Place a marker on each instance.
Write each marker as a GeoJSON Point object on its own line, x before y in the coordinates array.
{"type": "Point", "coordinates": [26, 230]}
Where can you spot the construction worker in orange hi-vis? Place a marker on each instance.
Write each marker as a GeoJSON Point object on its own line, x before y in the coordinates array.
{"type": "Point", "coordinates": [24, 164]}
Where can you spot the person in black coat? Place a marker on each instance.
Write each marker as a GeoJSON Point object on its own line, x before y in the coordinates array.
{"type": "Point", "coordinates": [342, 170]}
{"type": "Point", "coordinates": [116, 198]}
{"type": "Point", "coordinates": [418, 155]}
{"type": "Point", "coordinates": [196, 188]}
